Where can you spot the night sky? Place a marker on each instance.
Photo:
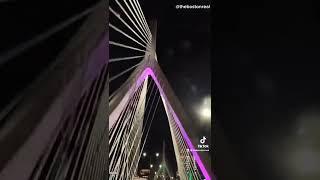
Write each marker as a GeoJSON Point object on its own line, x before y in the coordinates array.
{"type": "Point", "coordinates": [266, 84]}
{"type": "Point", "coordinates": [183, 50]}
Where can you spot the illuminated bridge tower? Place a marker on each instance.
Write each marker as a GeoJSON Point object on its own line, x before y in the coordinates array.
{"type": "Point", "coordinates": [127, 109]}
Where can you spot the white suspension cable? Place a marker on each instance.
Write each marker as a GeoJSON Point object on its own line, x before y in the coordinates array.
{"type": "Point", "coordinates": [117, 141]}
{"type": "Point", "coordinates": [125, 34]}
{"type": "Point", "coordinates": [126, 24]}
{"type": "Point", "coordinates": [147, 133]}
{"type": "Point", "coordinates": [123, 10]}
{"type": "Point", "coordinates": [141, 13]}
{"type": "Point", "coordinates": [123, 72]}
{"type": "Point", "coordinates": [129, 125]}
{"type": "Point", "coordinates": [136, 132]}
{"type": "Point", "coordinates": [124, 58]}
{"type": "Point", "coordinates": [144, 128]}
{"type": "Point", "coordinates": [134, 97]}
{"type": "Point", "coordinates": [138, 22]}
{"type": "Point", "coordinates": [123, 114]}
{"type": "Point", "coordinates": [142, 131]}
{"type": "Point", "coordinates": [120, 134]}
{"type": "Point", "coordinates": [141, 18]}
{"type": "Point", "coordinates": [125, 46]}
{"type": "Point", "coordinates": [139, 108]}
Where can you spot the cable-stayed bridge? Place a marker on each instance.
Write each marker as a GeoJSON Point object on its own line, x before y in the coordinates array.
{"type": "Point", "coordinates": [64, 124]}
{"type": "Point", "coordinates": [131, 114]}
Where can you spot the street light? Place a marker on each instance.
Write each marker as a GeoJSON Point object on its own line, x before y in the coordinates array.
{"type": "Point", "coordinates": [160, 166]}
{"type": "Point", "coordinates": [151, 165]}
{"type": "Point", "coordinates": [144, 154]}
{"type": "Point", "coordinates": [157, 154]}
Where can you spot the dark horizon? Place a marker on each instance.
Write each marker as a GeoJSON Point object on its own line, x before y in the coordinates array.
{"type": "Point", "coordinates": [183, 47]}
{"type": "Point", "coordinates": [266, 87]}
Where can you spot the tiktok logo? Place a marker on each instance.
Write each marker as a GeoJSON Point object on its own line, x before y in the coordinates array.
{"type": "Point", "coordinates": [203, 140]}
{"type": "Point", "coordinates": [202, 146]}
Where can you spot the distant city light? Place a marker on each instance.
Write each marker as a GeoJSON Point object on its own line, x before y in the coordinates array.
{"type": "Point", "coordinates": [160, 166]}
{"type": "Point", "coordinates": [151, 165]}
{"type": "Point", "coordinates": [157, 154]}
{"type": "Point", "coordinates": [144, 154]}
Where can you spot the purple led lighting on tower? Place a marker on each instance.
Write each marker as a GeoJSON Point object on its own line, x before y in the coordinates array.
{"type": "Point", "coordinates": [149, 72]}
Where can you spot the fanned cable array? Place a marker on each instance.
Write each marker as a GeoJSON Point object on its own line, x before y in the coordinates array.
{"type": "Point", "coordinates": [135, 97]}
{"type": "Point", "coordinates": [129, 134]}
{"type": "Point", "coordinates": [130, 39]}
